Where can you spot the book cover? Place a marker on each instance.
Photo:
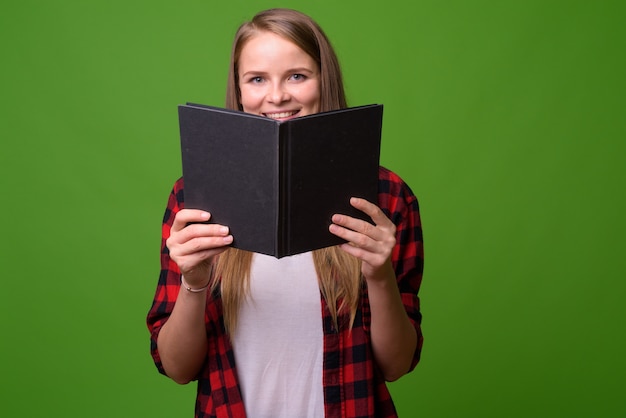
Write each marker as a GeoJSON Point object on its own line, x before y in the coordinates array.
{"type": "Point", "coordinates": [277, 184]}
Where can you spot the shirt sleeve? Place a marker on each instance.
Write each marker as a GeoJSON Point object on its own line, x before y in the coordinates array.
{"type": "Point", "coordinates": [169, 278]}
{"type": "Point", "coordinates": [401, 206]}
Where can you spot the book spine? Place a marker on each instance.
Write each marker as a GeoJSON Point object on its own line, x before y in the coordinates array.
{"type": "Point", "coordinates": [282, 236]}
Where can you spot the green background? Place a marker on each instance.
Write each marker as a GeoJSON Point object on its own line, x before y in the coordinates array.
{"type": "Point", "coordinates": [505, 117]}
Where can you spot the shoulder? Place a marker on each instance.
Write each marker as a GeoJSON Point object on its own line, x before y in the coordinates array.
{"type": "Point", "coordinates": [177, 196]}
{"type": "Point", "coordinates": [386, 174]}
{"type": "Point", "coordinates": [178, 187]}
{"type": "Point", "coordinates": [175, 202]}
{"type": "Point", "coordinates": [388, 181]}
{"type": "Point", "coordinates": [393, 191]}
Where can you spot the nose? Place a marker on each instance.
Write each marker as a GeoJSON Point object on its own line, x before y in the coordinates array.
{"type": "Point", "coordinates": [278, 93]}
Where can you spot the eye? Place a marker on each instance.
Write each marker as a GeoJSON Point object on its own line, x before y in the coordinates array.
{"type": "Point", "coordinates": [298, 77]}
{"type": "Point", "coordinates": [256, 80]}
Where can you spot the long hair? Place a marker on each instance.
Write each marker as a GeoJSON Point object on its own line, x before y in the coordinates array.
{"type": "Point", "coordinates": [339, 274]}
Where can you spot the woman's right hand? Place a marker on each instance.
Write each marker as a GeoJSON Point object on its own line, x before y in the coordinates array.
{"type": "Point", "coordinates": [193, 245]}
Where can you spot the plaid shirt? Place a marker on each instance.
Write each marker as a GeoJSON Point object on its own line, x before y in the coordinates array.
{"type": "Point", "coordinates": [353, 386]}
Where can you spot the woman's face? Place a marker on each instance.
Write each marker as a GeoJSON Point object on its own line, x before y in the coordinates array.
{"type": "Point", "coordinates": [277, 79]}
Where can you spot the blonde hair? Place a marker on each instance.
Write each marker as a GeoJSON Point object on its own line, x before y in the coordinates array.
{"type": "Point", "coordinates": [339, 274]}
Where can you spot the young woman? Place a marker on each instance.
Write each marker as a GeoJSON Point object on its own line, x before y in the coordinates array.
{"type": "Point", "coordinates": [311, 335]}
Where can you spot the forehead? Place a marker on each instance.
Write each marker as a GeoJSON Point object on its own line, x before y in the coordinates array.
{"type": "Point", "coordinates": [268, 47]}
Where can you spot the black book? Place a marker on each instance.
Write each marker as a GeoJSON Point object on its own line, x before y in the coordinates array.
{"type": "Point", "coordinates": [277, 184]}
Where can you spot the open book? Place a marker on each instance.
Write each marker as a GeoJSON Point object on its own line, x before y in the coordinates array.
{"type": "Point", "coordinates": [277, 184]}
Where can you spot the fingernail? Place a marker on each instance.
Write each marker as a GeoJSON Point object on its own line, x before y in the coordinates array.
{"type": "Point", "coordinates": [224, 230]}
{"type": "Point", "coordinates": [228, 239]}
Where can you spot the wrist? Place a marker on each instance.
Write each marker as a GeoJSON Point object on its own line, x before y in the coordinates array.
{"type": "Point", "coordinates": [383, 276]}
{"type": "Point", "coordinates": [192, 289]}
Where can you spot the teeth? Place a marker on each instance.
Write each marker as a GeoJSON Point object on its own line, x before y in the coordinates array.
{"type": "Point", "coordinates": [280, 115]}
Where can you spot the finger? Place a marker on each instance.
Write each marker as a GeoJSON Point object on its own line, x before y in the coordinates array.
{"type": "Point", "coordinates": [371, 210]}
{"type": "Point", "coordinates": [186, 216]}
{"type": "Point", "coordinates": [363, 235]}
{"type": "Point", "coordinates": [202, 230]}
{"type": "Point", "coordinates": [358, 225]}
{"type": "Point", "coordinates": [369, 258]}
{"type": "Point", "coordinates": [198, 237]}
{"type": "Point", "coordinates": [356, 239]}
{"type": "Point", "coordinates": [203, 244]}
{"type": "Point", "coordinates": [361, 253]}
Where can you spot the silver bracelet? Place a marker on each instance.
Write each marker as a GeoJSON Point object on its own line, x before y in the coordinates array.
{"type": "Point", "coordinates": [189, 289]}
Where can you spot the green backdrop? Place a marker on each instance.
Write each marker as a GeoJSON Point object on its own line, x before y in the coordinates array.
{"type": "Point", "coordinates": [506, 118]}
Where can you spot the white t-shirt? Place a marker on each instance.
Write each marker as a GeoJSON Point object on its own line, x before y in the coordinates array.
{"type": "Point", "coordinates": [279, 341]}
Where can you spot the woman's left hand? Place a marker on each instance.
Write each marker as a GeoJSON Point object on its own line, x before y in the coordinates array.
{"type": "Point", "coordinates": [393, 337]}
{"type": "Point", "coordinates": [372, 244]}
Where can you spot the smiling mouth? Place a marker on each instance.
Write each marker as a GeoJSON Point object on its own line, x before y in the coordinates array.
{"type": "Point", "coordinates": [280, 115]}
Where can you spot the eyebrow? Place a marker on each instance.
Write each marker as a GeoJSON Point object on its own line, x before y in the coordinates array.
{"type": "Point", "coordinates": [294, 70]}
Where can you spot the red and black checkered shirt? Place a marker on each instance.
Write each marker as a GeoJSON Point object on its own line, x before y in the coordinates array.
{"type": "Point", "coordinates": [353, 385]}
